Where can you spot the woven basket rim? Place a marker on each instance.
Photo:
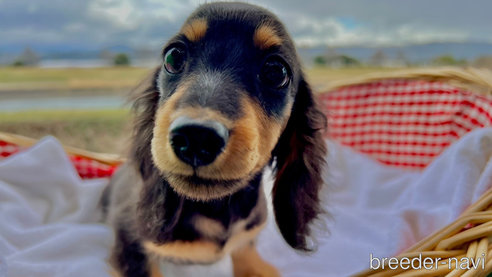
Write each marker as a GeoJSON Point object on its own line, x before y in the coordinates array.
{"type": "Point", "coordinates": [23, 141]}
{"type": "Point", "coordinates": [472, 79]}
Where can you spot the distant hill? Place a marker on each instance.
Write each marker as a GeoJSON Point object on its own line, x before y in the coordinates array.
{"type": "Point", "coordinates": [417, 53]}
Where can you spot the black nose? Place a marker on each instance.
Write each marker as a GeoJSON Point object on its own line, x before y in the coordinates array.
{"type": "Point", "coordinates": [196, 142]}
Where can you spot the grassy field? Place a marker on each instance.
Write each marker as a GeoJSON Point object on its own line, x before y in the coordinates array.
{"type": "Point", "coordinates": [320, 76]}
{"type": "Point", "coordinates": [31, 78]}
{"type": "Point", "coordinates": [100, 130]}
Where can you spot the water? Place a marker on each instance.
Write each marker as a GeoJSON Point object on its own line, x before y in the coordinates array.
{"type": "Point", "coordinates": [93, 63]}
{"type": "Point", "coordinates": [78, 63]}
{"type": "Point", "coordinates": [62, 103]}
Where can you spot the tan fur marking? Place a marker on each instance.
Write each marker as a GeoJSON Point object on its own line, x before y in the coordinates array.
{"type": "Point", "coordinates": [269, 130]}
{"type": "Point", "coordinates": [195, 30]}
{"type": "Point", "coordinates": [208, 227]}
{"type": "Point", "coordinates": [196, 251]}
{"type": "Point", "coordinates": [242, 238]}
{"type": "Point", "coordinates": [202, 251]}
{"type": "Point", "coordinates": [265, 37]}
{"type": "Point", "coordinates": [162, 153]}
{"type": "Point", "coordinates": [248, 262]}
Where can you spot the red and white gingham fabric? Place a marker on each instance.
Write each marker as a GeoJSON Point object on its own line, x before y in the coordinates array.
{"type": "Point", "coordinates": [404, 123]}
{"type": "Point", "coordinates": [89, 169]}
{"type": "Point", "coordinates": [86, 168]}
{"type": "Point", "coordinates": [7, 149]}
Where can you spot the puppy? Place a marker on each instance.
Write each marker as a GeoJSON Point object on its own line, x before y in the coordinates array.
{"type": "Point", "coordinates": [229, 100]}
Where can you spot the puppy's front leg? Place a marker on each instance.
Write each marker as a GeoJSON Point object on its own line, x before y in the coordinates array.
{"type": "Point", "coordinates": [248, 263]}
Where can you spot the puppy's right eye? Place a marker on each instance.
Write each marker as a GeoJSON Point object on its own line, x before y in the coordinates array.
{"type": "Point", "coordinates": [174, 60]}
{"type": "Point", "coordinates": [274, 73]}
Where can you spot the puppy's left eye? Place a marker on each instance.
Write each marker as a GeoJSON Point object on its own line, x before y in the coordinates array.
{"type": "Point", "coordinates": [274, 73]}
{"type": "Point", "coordinates": [174, 60]}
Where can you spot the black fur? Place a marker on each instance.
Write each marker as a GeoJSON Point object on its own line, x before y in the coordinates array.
{"type": "Point", "coordinates": [299, 156]}
{"type": "Point", "coordinates": [129, 254]}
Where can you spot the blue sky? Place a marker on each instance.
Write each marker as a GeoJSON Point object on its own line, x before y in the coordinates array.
{"type": "Point", "coordinates": [96, 24]}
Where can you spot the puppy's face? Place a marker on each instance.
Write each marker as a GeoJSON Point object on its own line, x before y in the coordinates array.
{"type": "Point", "coordinates": [227, 84]}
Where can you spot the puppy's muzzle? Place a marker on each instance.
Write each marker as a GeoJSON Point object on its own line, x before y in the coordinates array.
{"type": "Point", "coordinates": [197, 142]}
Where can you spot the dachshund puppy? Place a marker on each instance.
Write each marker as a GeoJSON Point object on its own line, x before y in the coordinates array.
{"type": "Point", "coordinates": [229, 100]}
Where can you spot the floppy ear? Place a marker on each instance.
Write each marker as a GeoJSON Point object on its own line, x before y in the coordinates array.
{"type": "Point", "coordinates": [159, 206]}
{"type": "Point", "coordinates": [300, 157]}
{"type": "Point", "coordinates": [145, 98]}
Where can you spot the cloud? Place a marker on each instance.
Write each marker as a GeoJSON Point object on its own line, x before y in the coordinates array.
{"type": "Point", "coordinates": [336, 31]}
{"type": "Point", "coordinates": [91, 24]}
{"type": "Point", "coordinates": [386, 22]}
{"type": "Point", "coordinates": [122, 14]}
{"type": "Point", "coordinates": [95, 24]}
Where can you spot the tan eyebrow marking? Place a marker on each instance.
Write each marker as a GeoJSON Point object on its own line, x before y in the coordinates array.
{"type": "Point", "coordinates": [265, 37]}
{"type": "Point", "coordinates": [195, 30]}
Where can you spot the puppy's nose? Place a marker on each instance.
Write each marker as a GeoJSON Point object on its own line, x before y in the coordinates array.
{"type": "Point", "coordinates": [196, 142]}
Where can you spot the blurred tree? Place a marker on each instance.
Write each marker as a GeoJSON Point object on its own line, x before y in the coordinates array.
{"type": "Point", "coordinates": [18, 63]}
{"type": "Point", "coordinates": [320, 61]}
{"type": "Point", "coordinates": [378, 58]}
{"type": "Point", "coordinates": [401, 58]}
{"type": "Point", "coordinates": [121, 59]}
{"type": "Point", "coordinates": [349, 61]}
{"type": "Point", "coordinates": [332, 59]}
{"type": "Point", "coordinates": [27, 57]}
{"type": "Point", "coordinates": [447, 60]}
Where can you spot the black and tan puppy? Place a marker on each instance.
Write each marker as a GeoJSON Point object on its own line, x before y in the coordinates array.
{"type": "Point", "coordinates": [229, 100]}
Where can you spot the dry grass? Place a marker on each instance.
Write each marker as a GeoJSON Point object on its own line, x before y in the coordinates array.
{"type": "Point", "coordinates": [32, 78]}
{"type": "Point", "coordinates": [100, 131]}
{"type": "Point", "coordinates": [321, 76]}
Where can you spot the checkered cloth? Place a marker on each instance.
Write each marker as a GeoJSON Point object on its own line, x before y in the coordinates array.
{"type": "Point", "coordinates": [403, 123]}
{"type": "Point", "coordinates": [87, 168]}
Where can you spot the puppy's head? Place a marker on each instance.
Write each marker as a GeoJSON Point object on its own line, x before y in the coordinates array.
{"type": "Point", "coordinates": [229, 98]}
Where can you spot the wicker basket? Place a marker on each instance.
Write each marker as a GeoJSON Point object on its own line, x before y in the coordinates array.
{"type": "Point", "coordinates": [88, 164]}
{"type": "Point", "coordinates": [469, 236]}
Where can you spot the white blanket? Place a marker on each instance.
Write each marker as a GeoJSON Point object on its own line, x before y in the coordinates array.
{"type": "Point", "coordinates": [49, 218]}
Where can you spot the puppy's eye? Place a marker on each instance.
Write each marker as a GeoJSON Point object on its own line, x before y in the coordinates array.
{"type": "Point", "coordinates": [174, 60]}
{"type": "Point", "coordinates": [274, 73]}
